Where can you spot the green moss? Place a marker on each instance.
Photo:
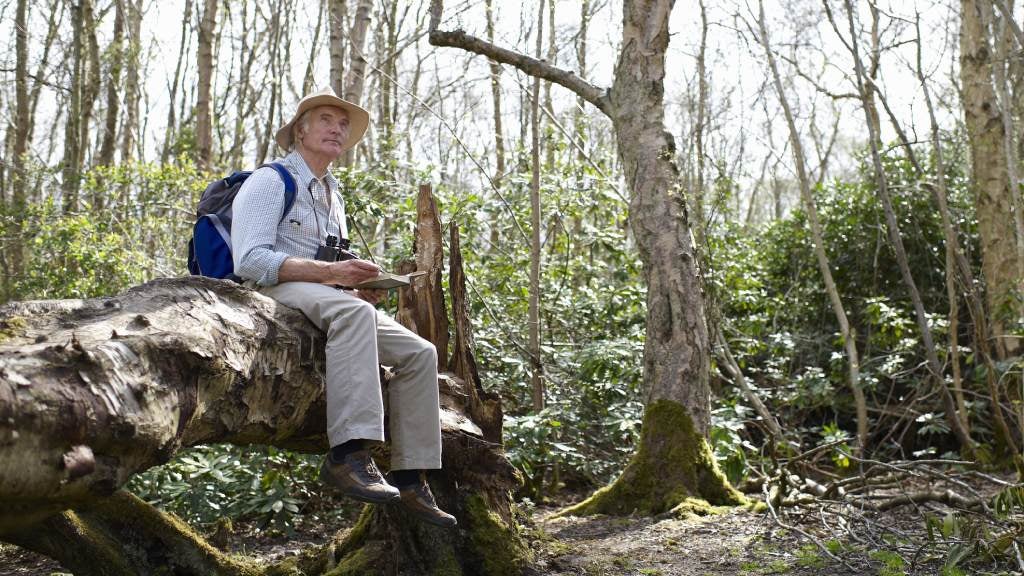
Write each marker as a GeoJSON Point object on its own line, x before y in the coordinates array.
{"type": "Point", "coordinates": [673, 463]}
{"type": "Point", "coordinates": [503, 551]}
{"type": "Point", "coordinates": [357, 536]}
{"type": "Point", "coordinates": [697, 507]}
{"type": "Point", "coordinates": [11, 327]}
{"type": "Point", "coordinates": [286, 567]}
{"type": "Point", "coordinates": [105, 548]}
{"type": "Point", "coordinates": [756, 506]}
{"type": "Point", "coordinates": [363, 561]}
{"type": "Point", "coordinates": [446, 563]}
{"type": "Point", "coordinates": [175, 532]}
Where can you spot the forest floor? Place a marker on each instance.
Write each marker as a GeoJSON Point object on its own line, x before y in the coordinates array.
{"type": "Point", "coordinates": [733, 542]}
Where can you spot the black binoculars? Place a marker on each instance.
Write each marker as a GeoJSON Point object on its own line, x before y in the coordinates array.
{"type": "Point", "coordinates": [335, 250]}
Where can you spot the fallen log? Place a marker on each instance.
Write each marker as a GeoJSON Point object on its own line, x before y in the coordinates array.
{"type": "Point", "coordinates": [95, 391]}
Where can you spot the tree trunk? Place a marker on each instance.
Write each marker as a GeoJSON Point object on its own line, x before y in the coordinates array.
{"type": "Point", "coordinates": [866, 92]}
{"type": "Point", "coordinates": [91, 77]}
{"type": "Point", "coordinates": [55, 11]}
{"type": "Point", "coordinates": [674, 461]}
{"type": "Point", "coordinates": [314, 49]}
{"type": "Point", "coordinates": [94, 391]}
{"type": "Point", "coordinates": [243, 109]}
{"type": "Point", "coordinates": [356, 75]}
{"type": "Point", "coordinates": [172, 123]}
{"type": "Point", "coordinates": [1002, 68]}
{"type": "Point", "coordinates": [499, 138]}
{"type": "Point", "coordinates": [957, 264]}
{"type": "Point", "coordinates": [20, 130]}
{"type": "Point", "coordinates": [131, 130]}
{"type": "Point", "coordinates": [953, 253]}
{"type": "Point", "coordinates": [116, 55]}
{"type": "Point", "coordinates": [71, 171]}
{"type": "Point", "coordinates": [824, 267]}
{"type": "Point", "coordinates": [338, 24]}
{"type": "Point", "coordinates": [274, 42]}
{"type": "Point", "coordinates": [989, 181]}
{"type": "Point", "coordinates": [388, 51]}
{"type": "Point", "coordinates": [536, 367]}
{"type": "Point", "coordinates": [697, 202]}
{"type": "Point", "coordinates": [204, 64]}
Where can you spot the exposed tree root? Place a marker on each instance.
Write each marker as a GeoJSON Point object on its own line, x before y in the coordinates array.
{"type": "Point", "coordinates": [122, 535]}
{"type": "Point", "coordinates": [672, 465]}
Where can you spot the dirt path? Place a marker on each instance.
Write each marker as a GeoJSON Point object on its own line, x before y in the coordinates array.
{"type": "Point", "coordinates": [733, 543]}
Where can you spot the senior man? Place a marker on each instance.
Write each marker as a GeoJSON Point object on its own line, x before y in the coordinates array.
{"type": "Point", "coordinates": [278, 256]}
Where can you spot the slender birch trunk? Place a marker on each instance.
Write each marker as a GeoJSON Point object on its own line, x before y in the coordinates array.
{"type": "Point", "coordinates": [131, 129]}
{"type": "Point", "coordinates": [274, 51]}
{"type": "Point", "coordinates": [172, 120]}
{"type": "Point", "coordinates": [356, 74]}
{"type": "Point", "coordinates": [337, 26]}
{"type": "Point", "coordinates": [15, 259]}
{"type": "Point", "coordinates": [56, 15]}
{"type": "Point", "coordinates": [536, 367]}
{"type": "Point", "coordinates": [246, 56]}
{"type": "Point", "coordinates": [117, 55]}
{"type": "Point", "coordinates": [204, 69]}
{"type": "Point", "coordinates": [845, 329]}
{"type": "Point", "coordinates": [499, 138]}
{"type": "Point", "coordinates": [70, 172]}
{"type": "Point", "coordinates": [953, 255]}
{"type": "Point", "coordinates": [91, 87]}
{"type": "Point", "coordinates": [697, 204]}
{"type": "Point", "coordinates": [871, 116]}
{"type": "Point", "coordinates": [314, 49]}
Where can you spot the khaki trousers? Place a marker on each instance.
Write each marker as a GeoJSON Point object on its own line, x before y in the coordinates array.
{"type": "Point", "coordinates": [358, 339]}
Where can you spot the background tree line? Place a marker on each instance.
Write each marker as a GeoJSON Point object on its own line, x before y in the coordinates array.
{"type": "Point", "coordinates": [851, 174]}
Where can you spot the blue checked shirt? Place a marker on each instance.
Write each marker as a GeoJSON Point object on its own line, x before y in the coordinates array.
{"type": "Point", "coordinates": [261, 241]}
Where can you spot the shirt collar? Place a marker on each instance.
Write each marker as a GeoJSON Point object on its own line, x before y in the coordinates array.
{"type": "Point", "coordinates": [305, 175]}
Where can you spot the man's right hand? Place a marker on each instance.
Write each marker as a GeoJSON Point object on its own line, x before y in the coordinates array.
{"type": "Point", "coordinates": [343, 273]}
{"type": "Point", "coordinates": [351, 272]}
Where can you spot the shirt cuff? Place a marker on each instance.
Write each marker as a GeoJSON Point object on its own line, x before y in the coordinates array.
{"type": "Point", "coordinates": [274, 263]}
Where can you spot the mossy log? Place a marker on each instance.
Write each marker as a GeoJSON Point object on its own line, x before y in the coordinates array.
{"type": "Point", "coordinates": [95, 391]}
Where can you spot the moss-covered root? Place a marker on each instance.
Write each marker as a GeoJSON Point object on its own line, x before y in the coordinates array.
{"type": "Point", "coordinates": [122, 535]}
{"type": "Point", "coordinates": [673, 464]}
{"type": "Point", "coordinates": [386, 540]}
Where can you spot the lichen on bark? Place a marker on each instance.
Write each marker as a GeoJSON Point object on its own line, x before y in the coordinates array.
{"type": "Point", "coordinates": [673, 465]}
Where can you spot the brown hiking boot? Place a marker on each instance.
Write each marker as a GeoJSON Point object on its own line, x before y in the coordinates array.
{"type": "Point", "coordinates": [419, 500]}
{"type": "Point", "coordinates": [358, 477]}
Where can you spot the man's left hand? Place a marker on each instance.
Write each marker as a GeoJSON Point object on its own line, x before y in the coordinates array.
{"type": "Point", "coordinates": [373, 296]}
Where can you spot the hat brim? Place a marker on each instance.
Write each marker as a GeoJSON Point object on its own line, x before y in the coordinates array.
{"type": "Point", "coordinates": [358, 119]}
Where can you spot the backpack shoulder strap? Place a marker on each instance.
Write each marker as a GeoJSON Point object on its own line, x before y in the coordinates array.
{"type": "Point", "coordinates": [289, 186]}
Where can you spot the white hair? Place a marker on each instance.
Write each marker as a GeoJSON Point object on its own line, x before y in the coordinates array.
{"type": "Point", "coordinates": [302, 123]}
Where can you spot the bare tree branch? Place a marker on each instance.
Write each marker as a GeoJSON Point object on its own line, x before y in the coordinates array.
{"type": "Point", "coordinates": [532, 66]}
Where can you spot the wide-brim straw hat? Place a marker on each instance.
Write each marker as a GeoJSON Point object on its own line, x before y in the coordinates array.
{"type": "Point", "coordinates": [358, 118]}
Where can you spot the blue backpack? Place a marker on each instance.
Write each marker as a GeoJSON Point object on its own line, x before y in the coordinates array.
{"type": "Point", "coordinates": [209, 250]}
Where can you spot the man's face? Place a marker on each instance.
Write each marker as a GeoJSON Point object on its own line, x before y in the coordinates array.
{"type": "Point", "coordinates": [325, 132]}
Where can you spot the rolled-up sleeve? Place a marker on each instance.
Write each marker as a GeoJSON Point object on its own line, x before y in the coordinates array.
{"type": "Point", "coordinates": [256, 214]}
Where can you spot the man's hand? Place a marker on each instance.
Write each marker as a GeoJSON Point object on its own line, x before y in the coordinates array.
{"type": "Point", "coordinates": [344, 273]}
{"type": "Point", "coordinates": [373, 296]}
{"type": "Point", "coordinates": [351, 272]}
